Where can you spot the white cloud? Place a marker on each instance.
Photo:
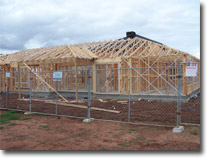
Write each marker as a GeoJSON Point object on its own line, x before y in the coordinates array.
{"type": "Point", "coordinates": [31, 23]}
{"type": "Point", "coordinates": [34, 43]}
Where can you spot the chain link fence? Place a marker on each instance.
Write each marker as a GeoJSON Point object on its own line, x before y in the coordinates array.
{"type": "Point", "coordinates": [127, 95]}
{"type": "Point", "coordinates": [190, 110]}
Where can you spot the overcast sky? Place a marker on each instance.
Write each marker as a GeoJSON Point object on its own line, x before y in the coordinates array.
{"type": "Point", "coordinates": [38, 23]}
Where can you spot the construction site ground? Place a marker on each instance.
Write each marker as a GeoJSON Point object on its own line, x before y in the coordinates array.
{"type": "Point", "coordinates": [40, 132]}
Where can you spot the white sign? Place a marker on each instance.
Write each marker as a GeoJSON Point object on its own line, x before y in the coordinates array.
{"type": "Point", "coordinates": [57, 76]}
{"type": "Point", "coordinates": [191, 71]}
{"type": "Point", "coordinates": [7, 74]}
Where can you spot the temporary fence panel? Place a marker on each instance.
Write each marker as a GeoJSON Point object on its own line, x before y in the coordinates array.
{"type": "Point", "coordinates": [190, 111]}
{"type": "Point", "coordinates": [119, 88]}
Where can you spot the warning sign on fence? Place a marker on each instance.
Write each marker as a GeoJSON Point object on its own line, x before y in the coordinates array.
{"type": "Point", "coordinates": [57, 76]}
{"type": "Point", "coordinates": [191, 71]}
{"type": "Point", "coordinates": [7, 74]}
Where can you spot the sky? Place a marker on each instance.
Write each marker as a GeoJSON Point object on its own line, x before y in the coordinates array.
{"type": "Point", "coordinates": [26, 24]}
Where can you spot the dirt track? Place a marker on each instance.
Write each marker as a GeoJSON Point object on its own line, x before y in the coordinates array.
{"type": "Point", "coordinates": [141, 111]}
{"type": "Point", "coordinates": [36, 132]}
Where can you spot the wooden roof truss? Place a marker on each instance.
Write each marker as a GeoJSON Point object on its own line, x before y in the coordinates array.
{"type": "Point", "coordinates": [122, 48]}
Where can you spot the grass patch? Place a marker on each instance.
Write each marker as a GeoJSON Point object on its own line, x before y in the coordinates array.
{"type": "Point", "coordinates": [24, 119]}
{"type": "Point", "coordinates": [117, 129]}
{"type": "Point", "coordinates": [12, 124]}
{"type": "Point", "coordinates": [132, 130]}
{"type": "Point", "coordinates": [104, 149]}
{"type": "Point", "coordinates": [41, 115]}
{"type": "Point", "coordinates": [195, 132]}
{"type": "Point", "coordinates": [44, 127]}
{"type": "Point", "coordinates": [138, 138]}
{"type": "Point", "coordinates": [151, 128]}
{"type": "Point", "coordinates": [80, 119]}
{"type": "Point", "coordinates": [95, 136]}
{"type": "Point", "coordinates": [10, 115]}
{"type": "Point", "coordinates": [82, 133]}
{"type": "Point", "coordinates": [125, 144]}
{"type": "Point", "coordinates": [1, 127]}
{"type": "Point", "coordinates": [148, 140]}
{"type": "Point", "coordinates": [124, 126]}
{"type": "Point", "coordinates": [38, 114]}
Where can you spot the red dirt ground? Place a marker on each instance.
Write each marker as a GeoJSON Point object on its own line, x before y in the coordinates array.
{"type": "Point", "coordinates": [39, 132]}
{"type": "Point", "coordinates": [152, 112]}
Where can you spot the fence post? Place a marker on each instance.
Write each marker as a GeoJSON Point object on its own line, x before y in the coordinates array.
{"type": "Point", "coordinates": [89, 93]}
{"type": "Point", "coordinates": [31, 78]}
{"type": "Point", "coordinates": [178, 128]}
{"type": "Point", "coordinates": [56, 109]}
{"type": "Point", "coordinates": [179, 97]}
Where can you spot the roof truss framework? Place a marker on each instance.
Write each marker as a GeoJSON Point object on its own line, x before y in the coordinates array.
{"type": "Point", "coordinates": [48, 55]}
{"type": "Point", "coordinates": [125, 48]}
{"type": "Point", "coordinates": [148, 53]}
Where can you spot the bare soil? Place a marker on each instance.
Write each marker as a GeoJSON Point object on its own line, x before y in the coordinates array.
{"type": "Point", "coordinates": [37, 132]}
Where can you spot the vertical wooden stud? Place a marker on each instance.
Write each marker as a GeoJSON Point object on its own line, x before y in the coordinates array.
{"type": "Point", "coordinates": [76, 81]}
{"type": "Point", "coordinates": [19, 83]}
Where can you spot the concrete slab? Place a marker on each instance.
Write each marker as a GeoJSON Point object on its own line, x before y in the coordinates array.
{"type": "Point", "coordinates": [88, 120]}
{"type": "Point", "coordinates": [28, 113]}
{"type": "Point", "coordinates": [104, 96]}
{"type": "Point", "coordinates": [179, 129]}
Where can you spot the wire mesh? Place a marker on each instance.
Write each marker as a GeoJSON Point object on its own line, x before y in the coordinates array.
{"type": "Point", "coordinates": [191, 109]}
{"type": "Point", "coordinates": [125, 94]}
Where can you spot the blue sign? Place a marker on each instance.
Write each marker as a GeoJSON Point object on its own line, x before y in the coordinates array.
{"type": "Point", "coordinates": [7, 74]}
{"type": "Point", "coordinates": [57, 76]}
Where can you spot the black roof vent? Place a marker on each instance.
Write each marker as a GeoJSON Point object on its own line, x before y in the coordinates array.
{"type": "Point", "coordinates": [131, 34]}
